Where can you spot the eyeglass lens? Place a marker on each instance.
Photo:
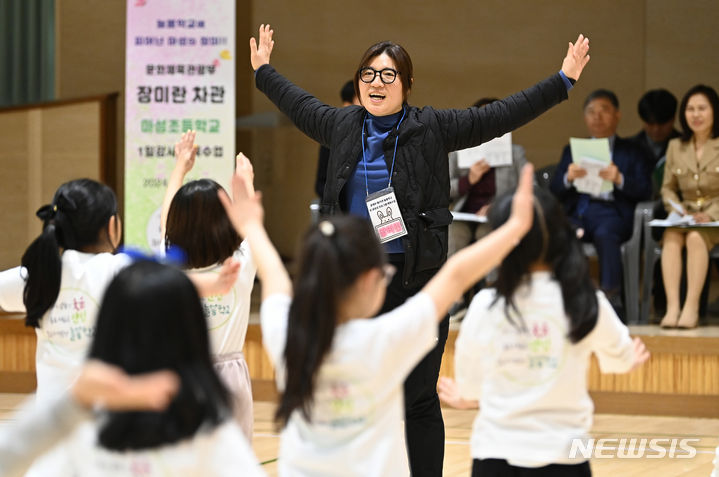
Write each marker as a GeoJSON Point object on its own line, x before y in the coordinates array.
{"type": "Point", "coordinates": [386, 75]}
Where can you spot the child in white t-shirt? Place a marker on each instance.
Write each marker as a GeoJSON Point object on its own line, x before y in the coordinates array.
{"type": "Point", "coordinates": [524, 346]}
{"type": "Point", "coordinates": [64, 273]}
{"type": "Point", "coordinates": [194, 220]}
{"type": "Point", "coordinates": [34, 430]}
{"type": "Point", "coordinates": [341, 374]}
{"type": "Point", "coordinates": [60, 284]}
{"type": "Point", "coordinates": [151, 319]}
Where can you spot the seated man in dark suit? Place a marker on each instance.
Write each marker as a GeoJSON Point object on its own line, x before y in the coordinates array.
{"type": "Point", "coordinates": [657, 109]}
{"type": "Point", "coordinates": [606, 220]}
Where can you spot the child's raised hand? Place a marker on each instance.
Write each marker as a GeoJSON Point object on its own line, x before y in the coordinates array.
{"type": "Point", "coordinates": [523, 201]}
{"type": "Point", "coordinates": [243, 168]}
{"type": "Point", "coordinates": [104, 385]}
{"type": "Point", "coordinates": [185, 151]}
{"type": "Point", "coordinates": [449, 393]}
{"type": "Point", "coordinates": [211, 284]}
{"type": "Point", "coordinates": [227, 276]}
{"type": "Point", "coordinates": [641, 353]}
{"type": "Point", "coordinates": [245, 208]}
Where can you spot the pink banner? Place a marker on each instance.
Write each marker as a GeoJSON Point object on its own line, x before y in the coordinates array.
{"type": "Point", "coordinates": [180, 75]}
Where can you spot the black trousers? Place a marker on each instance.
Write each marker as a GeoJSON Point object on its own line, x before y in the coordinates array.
{"type": "Point", "coordinates": [424, 426]}
{"type": "Point", "coordinates": [500, 468]}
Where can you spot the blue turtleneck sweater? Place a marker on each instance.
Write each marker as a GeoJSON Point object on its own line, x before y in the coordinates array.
{"type": "Point", "coordinates": [377, 175]}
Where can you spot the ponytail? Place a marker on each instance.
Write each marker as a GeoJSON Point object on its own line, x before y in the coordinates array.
{"type": "Point", "coordinates": [333, 255]}
{"type": "Point", "coordinates": [79, 212]}
{"type": "Point", "coordinates": [43, 265]}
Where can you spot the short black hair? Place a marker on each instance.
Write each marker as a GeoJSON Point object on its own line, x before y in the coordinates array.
{"type": "Point", "coordinates": [657, 106]}
{"type": "Point", "coordinates": [347, 93]}
{"type": "Point", "coordinates": [198, 224]}
{"type": "Point", "coordinates": [401, 60]}
{"type": "Point", "coordinates": [602, 94]}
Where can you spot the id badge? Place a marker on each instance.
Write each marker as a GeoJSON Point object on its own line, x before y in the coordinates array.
{"type": "Point", "coordinates": [385, 215]}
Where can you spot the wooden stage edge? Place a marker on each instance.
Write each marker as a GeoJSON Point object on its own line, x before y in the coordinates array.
{"type": "Point", "coordinates": [605, 402]}
{"type": "Point", "coordinates": [653, 404]}
{"type": "Point", "coordinates": [681, 379]}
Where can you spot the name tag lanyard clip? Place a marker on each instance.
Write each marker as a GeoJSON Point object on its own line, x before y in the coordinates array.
{"type": "Point", "coordinates": [382, 206]}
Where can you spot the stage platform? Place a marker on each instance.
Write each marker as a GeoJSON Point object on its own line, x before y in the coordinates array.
{"type": "Point", "coordinates": [681, 378]}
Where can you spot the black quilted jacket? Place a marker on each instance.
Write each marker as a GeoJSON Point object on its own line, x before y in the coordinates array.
{"type": "Point", "coordinates": [426, 136]}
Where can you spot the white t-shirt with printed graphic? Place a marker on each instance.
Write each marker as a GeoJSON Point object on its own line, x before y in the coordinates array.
{"type": "Point", "coordinates": [356, 419]}
{"type": "Point", "coordinates": [224, 451]}
{"type": "Point", "coordinates": [532, 386]}
{"type": "Point", "coordinates": [228, 315]}
{"type": "Point", "coordinates": [67, 329]}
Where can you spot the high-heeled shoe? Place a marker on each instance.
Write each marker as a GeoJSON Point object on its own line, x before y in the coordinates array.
{"type": "Point", "coordinates": [670, 320]}
{"type": "Point", "coordinates": [688, 319]}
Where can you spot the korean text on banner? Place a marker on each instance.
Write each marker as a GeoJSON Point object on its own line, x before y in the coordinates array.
{"type": "Point", "coordinates": [180, 75]}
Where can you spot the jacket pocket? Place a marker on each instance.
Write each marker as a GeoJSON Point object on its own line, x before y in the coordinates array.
{"type": "Point", "coordinates": [431, 251]}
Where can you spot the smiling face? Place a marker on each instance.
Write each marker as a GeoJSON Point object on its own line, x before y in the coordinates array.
{"type": "Point", "coordinates": [699, 114]}
{"type": "Point", "coordinates": [378, 98]}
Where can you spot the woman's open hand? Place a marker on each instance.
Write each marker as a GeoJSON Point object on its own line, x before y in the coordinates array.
{"type": "Point", "coordinates": [577, 58]}
{"type": "Point", "coordinates": [260, 54]}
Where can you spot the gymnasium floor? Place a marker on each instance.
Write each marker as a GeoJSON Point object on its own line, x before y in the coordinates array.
{"type": "Point", "coordinates": [459, 424]}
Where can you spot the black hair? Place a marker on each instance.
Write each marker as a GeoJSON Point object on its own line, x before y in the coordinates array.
{"type": "Point", "coordinates": [333, 254]}
{"type": "Point", "coordinates": [602, 94]}
{"type": "Point", "coordinates": [711, 95]}
{"type": "Point", "coordinates": [657, 106]}
{"type": "Point", "coordinates": [552, 241]}
{"type": "Point", "coordinates": [198, 224]}
{"type": "Point", "coordinates": [77, 218]}
{"type": "Point", "coordinates": [401, 59]}
{"type": "Point", "coordinates": [347, 93]}
{"type": "Point", "coordinates": [151, 319]}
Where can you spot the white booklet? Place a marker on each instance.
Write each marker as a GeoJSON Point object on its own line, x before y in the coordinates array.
{"type": "Point", "coordinates": [679, 218]}
{"type": "Point", "coordinates": [468, 217]}
{"type": "Point", "coordinates": [497, 153]}
{"type": "Point", "coordinates": [676, 220]}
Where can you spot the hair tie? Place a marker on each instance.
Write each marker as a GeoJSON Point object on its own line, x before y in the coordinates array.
{"type": "Point", "coordinates": [47, 212]}
{"type": "Point", "coordinates": [327, 228]}
{"type": "Point", "coordinates": [66, 202]}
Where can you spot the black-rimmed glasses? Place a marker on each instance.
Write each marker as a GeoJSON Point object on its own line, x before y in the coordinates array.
{"type": "Point", "coordinates": [386, 75]}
